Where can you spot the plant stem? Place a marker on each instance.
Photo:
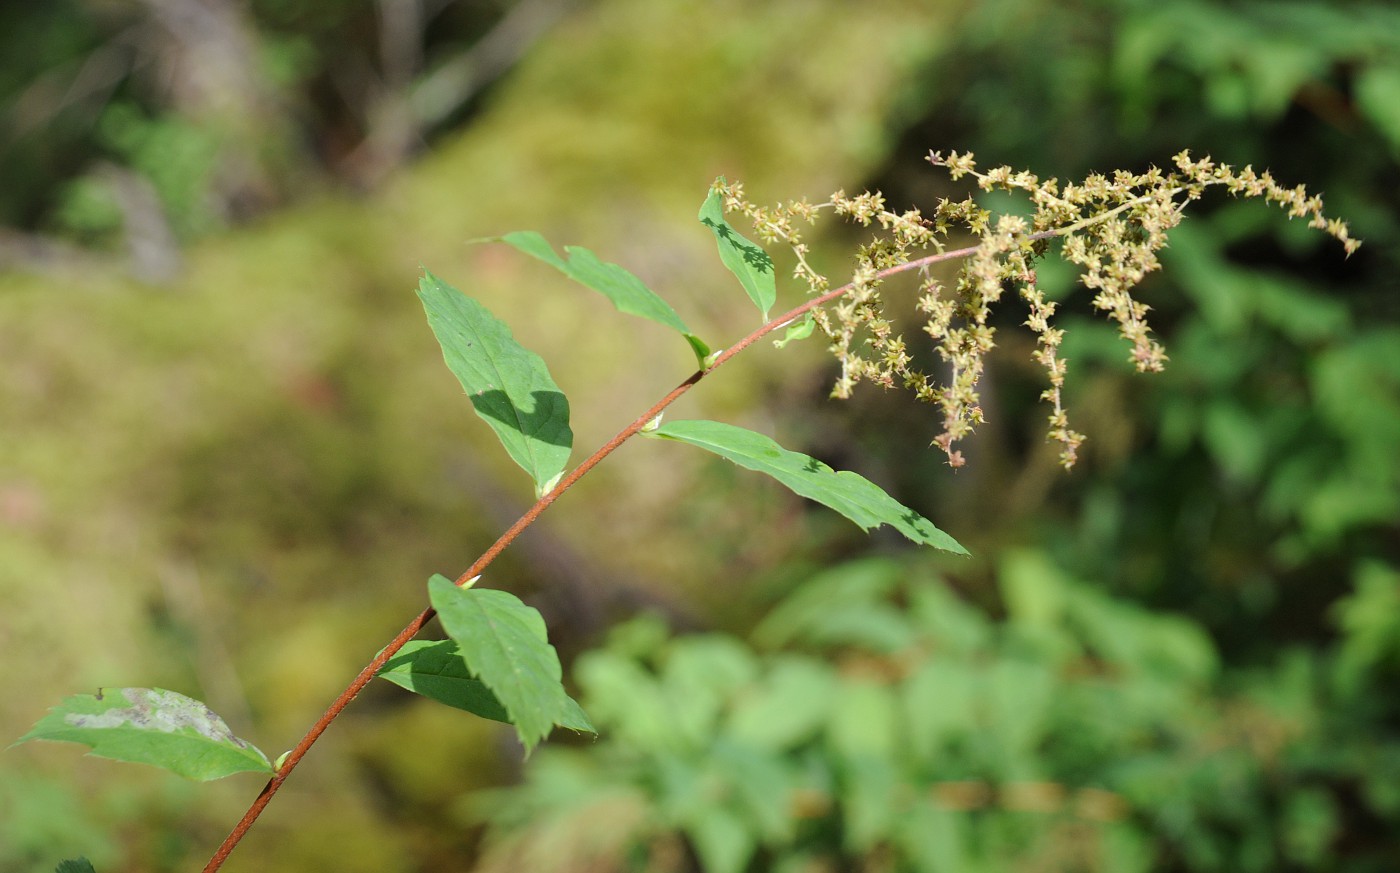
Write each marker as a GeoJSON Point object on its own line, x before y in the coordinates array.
{"type": "Point", "coordinates": [411, 630]}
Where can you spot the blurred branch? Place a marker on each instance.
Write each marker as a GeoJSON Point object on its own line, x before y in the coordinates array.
{"type": "Point", "coordinates": [456, 81]}
{"type": "Point", "coordinates": [92, 82]}
{"type": "Point", "coordinates": [401, 24]}
{"type": "Point", "coordinates": [150, 241]}
{"type": "Point", "coordinates": [398, 119]}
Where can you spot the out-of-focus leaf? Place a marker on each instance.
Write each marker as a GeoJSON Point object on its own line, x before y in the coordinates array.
{"type": "Point", "coordinates": [939, 706]}
{"type": "Point", "coordinates": [626, 699]}
{"type": "Point", "coordinates": [760, 782]}
{"type": "Point", "coordinates": [789, 706]}
{"type": "Point", "coordinates": [934, 838]}
{"type": "Point", "coordinates": [1033, 588]}
{"type": "Point", "coordinates": [850, 494]}
{"type": "Point", "coordinates": [1369, 619]}
{"type": "Point", "coordinates": [509, 386]}
{"type": "Point", "coordinates": [722, 839]}
{"type": "Point", "coordinates": [1378, 94]}
{"type": "Point", "coordinates": [812, 613]}
{"type": "Point", "coordinates": [864, 721]}
{"type": "Point", "coordinates": [1310, 825]}
{"type": "Point", "coordinates": [1236, 439]}
{"type": "Point", "coordinates": [868, 784]}
{"type": "Point", "coordinates": [954, 624]}
{"type": "Point", "coordinates": [1125, 849]}
{"type": "Point", "coordinates": [700, 675]}
{"type": "Point", "coordinates": [1018, 714]}
{"type": "Point", "coordinates": [151, 726]}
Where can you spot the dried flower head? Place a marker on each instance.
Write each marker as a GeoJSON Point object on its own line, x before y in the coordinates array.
{"type": "Point", "coordinates": [1111, 227]}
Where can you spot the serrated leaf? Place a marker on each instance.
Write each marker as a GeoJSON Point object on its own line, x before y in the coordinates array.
{"type": "Point", "coordinates": [745, 260]}
{"type": "Point", "coordinates": [850, 494]}
{"type": "Point", "coordinates": [437, 670]}
{"type": "Point", "coordinates": [509, 385]}
{"type": "Point", "coordinates": [504, 644]}
{"type": "Point", "coordinates": [628, 293]}
{"type": "Point", "coordinates": [151, 726]}
{"type": "Point", "coordinates": [75, 865]}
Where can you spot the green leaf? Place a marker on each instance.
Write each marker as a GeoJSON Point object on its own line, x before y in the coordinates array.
{"type": "Point", "coordinates": [436, 669]}
{"type": "Point", "coordinates": [723, 841]}
{"type": "Point", "coordinates": [76, 865]}
{"type": "Point", "coordinates": [1378, 95]}
{"type": "Point", "coordinates": [797, 330]}
{"type": "Point", "coordinates": [935, 838]}
{"type": "Point", "coordinates": [625, 290]}
{"type": "Point", "coordinates": [151, 726]}
{"type": "Point", "coordinates": [845, 606]}
{"type": "Point", "coordinates": [850, 494]}
{"type": "Point", "coordinates": [745, 260]}
{"type": "Point", "coordinates": [504, 644]}
{"type": "Point", "coordinates": [789, 707]}
{"type": "Point", "coordinates": [509, 386]}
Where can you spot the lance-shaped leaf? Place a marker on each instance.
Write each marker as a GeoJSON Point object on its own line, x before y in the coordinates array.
{"type": "Point", "coordinates": [438, 670]}
{"type": "Point", "coordinates": [509, 385]}
{"type": "Point", "coordinates": [744, 259]}
{"type": "Point", "coordinates": [151, 726]}
{"type": "Point", "coordinates": [504, 644]}
{"type": "Point", "coordinates": [628, 293]}
{"type": "Point", "coordinates": [850, 494]}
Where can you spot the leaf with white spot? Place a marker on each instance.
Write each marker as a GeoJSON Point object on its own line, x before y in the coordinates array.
{"type": "Point", "coordinates": [151, 726]}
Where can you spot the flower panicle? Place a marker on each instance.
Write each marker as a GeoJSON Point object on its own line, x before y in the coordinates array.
{"type": "Point", "coordinates": [1110, 226]}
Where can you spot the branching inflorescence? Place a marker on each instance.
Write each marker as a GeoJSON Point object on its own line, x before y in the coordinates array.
{"type": "Point", "coordinates": [1110, 227]}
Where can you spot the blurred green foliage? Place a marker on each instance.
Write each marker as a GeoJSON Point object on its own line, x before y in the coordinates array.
{"type": "Point", "coordinates": [876, 717]}
{"type": "Point", "coordinates": [1256, 477]}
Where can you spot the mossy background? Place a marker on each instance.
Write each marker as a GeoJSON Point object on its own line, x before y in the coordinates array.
{"type": "Point", "coordinates": [236, 481]}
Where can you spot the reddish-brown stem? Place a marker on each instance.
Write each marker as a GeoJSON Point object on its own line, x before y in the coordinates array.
{"type": "Point", "coordinates": [363, 678]}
